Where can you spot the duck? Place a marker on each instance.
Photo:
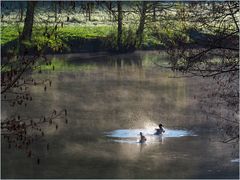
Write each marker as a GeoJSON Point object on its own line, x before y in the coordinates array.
{"type": "Point", "coordinates": [143, 138]}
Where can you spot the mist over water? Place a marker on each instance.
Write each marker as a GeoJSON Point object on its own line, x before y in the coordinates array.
{"type": "Point", "coordinates": [110, 100]}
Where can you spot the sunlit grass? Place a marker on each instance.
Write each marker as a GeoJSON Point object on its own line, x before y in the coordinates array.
{"type": "Point", "coordinates": [79, 27]}
{"type": "Point", "coordinates": [8, 34]}
{"type": "Point", "coordinates": [88, 32]}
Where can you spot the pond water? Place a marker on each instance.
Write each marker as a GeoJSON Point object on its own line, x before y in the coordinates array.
{"type": "Point", "coordinates": [110, 100]}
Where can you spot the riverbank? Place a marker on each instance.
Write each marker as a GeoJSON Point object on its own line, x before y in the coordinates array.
{"type": "Point", "coordinates": [79, 39]}
{"type": "Point", "coordinates": [74, 39]}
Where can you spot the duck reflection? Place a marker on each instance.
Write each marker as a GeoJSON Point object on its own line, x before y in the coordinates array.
{"type": "Point", "coordinates": [142, 146]}
{"type": "Point", "coordinates": [161, 138]}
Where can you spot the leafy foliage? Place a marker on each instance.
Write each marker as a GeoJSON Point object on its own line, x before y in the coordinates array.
{"type": "Point", "coordinates": [128, 39]}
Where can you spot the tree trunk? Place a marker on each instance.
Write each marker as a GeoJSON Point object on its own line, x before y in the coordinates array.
{"type": "Point", "coordinates": [139, 34]}
{"type": "Point", "coordinates": [89, 11]}
{"type": "Point", "coordinates": [110, 8]}
{"type": "Point", "coordinates": [60, 5]}
{"type": "Point", "coordinates": [120, 18]}
{"type": "Point", "coordinates": [28, 25]}
{"type": "Point", "coordinates": [154, 11]}
{"type": "Point", "coordinates": [21, 11]}
{"type": "Point", "coordinates": [55, 11]}
{"type": "Point", "coordinates": [73, 5]}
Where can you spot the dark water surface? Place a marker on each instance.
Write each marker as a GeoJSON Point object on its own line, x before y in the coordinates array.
{"type": "Point", "coordinates": [110, 99]}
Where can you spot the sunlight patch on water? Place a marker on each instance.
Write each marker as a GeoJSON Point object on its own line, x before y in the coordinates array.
{"type": "Point", "coordinates": [132, 135]}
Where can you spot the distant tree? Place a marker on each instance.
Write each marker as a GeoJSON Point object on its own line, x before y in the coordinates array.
{"type": "Point", "coordinates": [21, 9]}
{"type": "Point", "coordinates": [214, 32]}
{"type": "Point", "coordinates": [120, 23]}
{"type": "Point", "coordinates": [60, 6]}
{"type": "Point", "coordinates": [89, 5]}
{"type": "Point", "coordinates": [139, 33]}
{"type": "Point", "coordinates": [28, 26]}
{"type": "Point", "coordinates": [73, 4]}
{"type": "Point", "coordinates": [109, 6]}
{"type": "Point", "coordinates": [154, 7]}
{"type": "Point", "coordinates": [54, 4]}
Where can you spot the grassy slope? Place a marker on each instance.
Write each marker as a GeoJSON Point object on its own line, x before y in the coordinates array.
{"type": "Point", "coordinates": [10, 33]}
{"type": "Point", "coordinates": [76, 33]}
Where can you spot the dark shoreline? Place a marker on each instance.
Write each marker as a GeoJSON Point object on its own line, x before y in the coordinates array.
{"type": "Point", "coordinates": [87, 46]}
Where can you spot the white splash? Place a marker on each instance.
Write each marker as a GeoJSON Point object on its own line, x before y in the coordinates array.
{"type": "Point", "coordinates": [235, 161]}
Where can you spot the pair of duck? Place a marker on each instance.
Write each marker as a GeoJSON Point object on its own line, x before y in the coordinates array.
{"type": "Point", "coordinates": [159, 131]}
